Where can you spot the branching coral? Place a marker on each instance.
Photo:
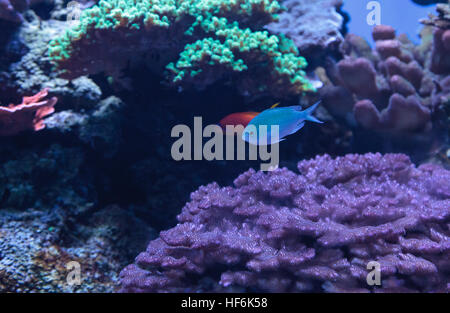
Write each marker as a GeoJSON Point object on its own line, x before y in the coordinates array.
{"type": "Point", "coordinates": [316, 231]}
{"type": "Point", "coordinates": [389, 89]}
{"type": "Point", "coordinates": [211, 40]}
{"type": "Point", "coordinates": [27, 115]}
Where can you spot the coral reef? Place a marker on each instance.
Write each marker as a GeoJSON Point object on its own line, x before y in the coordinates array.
{"type": "Point", "coordinates": [98, 184]}
{"type": "Point", "coordinates": [313, 42]}
{"type": "Point", "coordinates": [211, 40]}
{"type": "Point", "coordinates": [41, 244]}
{"type": "Point", "coordinates": [22, 183]}
{"type": "Point", "coordinates": [316, 231]}
{"type": "Point", "coordinates": [391, 89]}
{"type": "Point", "coordinates": [100, 127]}
{"type": "Point", "coordinates": [81, 109]}
{"type": "Point", "coordinates": [33, 70]}
{"type": "Point", "coordinates": [27, 115]}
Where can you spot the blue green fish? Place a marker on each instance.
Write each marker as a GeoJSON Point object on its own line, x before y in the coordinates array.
{"type": "Point", "coordinates": [262, 128]}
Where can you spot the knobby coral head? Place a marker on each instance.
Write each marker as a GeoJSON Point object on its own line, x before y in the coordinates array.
{"type": "Point", "coordinates": [397, 88]}
{"type": "Point", "coordinates": [27, 115]}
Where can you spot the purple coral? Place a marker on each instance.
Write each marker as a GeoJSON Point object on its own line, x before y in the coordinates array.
{"type": "Point", "coordinates": [317, 231]}
{"type": "Point", "coordinates": [391, 88]}
{"type": "Point", "coordinates": [440, 55]}
{"type": "Point", "coordinates": [440, 62]}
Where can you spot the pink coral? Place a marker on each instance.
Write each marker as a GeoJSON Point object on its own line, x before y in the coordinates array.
{"type": "Point", "coordinates": [27, 115]}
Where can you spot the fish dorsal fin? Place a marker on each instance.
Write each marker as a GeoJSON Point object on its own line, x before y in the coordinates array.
{"type": "Point", "coordinates": [275, 105]}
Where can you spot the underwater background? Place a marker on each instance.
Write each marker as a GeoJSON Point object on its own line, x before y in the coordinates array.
{"type": "Point", "coordinates": [90, 92]}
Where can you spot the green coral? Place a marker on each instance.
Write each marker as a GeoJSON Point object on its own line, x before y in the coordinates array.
{"type": "Point", "coordinates": [197, 42]}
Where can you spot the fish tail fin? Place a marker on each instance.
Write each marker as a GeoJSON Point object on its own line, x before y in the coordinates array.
{"type": "Point", "coordinates": [313, 119]}
{"type": "Point", "coordinates": [307, 113]}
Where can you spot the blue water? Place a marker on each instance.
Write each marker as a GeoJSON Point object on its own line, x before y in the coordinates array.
{"type": "Point", "coordinates": [403, 15]}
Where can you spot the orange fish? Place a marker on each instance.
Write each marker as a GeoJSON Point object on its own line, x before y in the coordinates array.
{"type": "Point", "coordinates": [241, 118]}
{"type": "Point", "coordinates": [234, 119]}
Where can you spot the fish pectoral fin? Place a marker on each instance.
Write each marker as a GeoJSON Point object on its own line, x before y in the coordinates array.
{"type": "Point", "coordinates": [297, 128]}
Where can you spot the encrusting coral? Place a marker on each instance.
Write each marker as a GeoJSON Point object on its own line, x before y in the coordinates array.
{"type": "Point", "coordinates": [314, 42]}
{"type": "Point", "coordinates": [317, 231]}
{"type": "Point", "coordinates": [195, 42]}
{"type": "Point", "coordinates": [27, 115]}
{"type": "Point", "coordinates": [392, 88]}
